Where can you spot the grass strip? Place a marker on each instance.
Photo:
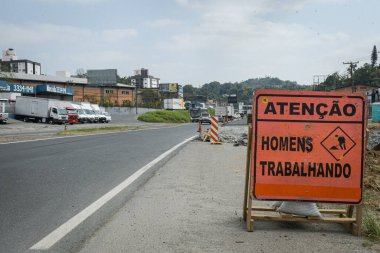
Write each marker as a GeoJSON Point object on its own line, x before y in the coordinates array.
{"type": "Point", "coordinates": [97, 130]}
{"type": "Point", "coordinates": [371, 226]}
{"type": "Point", "coordinates": [166, 116]}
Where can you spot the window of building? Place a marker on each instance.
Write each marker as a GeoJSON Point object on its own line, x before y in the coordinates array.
{"type": "Point", "coordinates": [124, 92]}
{"type": "Point", "coordinates": [109, 91]}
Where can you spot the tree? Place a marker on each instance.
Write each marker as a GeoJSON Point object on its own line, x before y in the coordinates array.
{"type": "Point", "coordinates": [124, 80]}
{"type": "Point", "coordinates": [374, 56]}
{"type": "Point", "coordinates": [188, 90]}
{"type": "Point", "coordinates": [333, 80]}
{"type": "Point", "coordinates": [150, 98]}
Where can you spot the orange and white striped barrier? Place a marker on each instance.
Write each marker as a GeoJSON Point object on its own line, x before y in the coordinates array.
{"type": "Point", "coordinates": [214, 131]}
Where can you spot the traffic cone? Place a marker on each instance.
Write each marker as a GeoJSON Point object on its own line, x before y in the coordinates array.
{"type": "Point", "coordinates": [199, 127]}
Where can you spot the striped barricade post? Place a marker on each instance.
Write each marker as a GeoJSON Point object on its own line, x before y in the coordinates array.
{"type": "Point", "coordinates": [214, 131]}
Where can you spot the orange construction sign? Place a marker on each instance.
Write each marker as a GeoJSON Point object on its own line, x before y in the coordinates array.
{"type": "Point", "coordinates": [308, 146]}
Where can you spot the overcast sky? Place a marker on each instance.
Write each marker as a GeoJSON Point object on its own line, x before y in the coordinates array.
{"type": "Point", "coordinates": [193, 41]}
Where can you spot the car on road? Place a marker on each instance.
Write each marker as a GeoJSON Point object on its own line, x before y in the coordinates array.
{"type": "Point", "coordinates": [205, 118]}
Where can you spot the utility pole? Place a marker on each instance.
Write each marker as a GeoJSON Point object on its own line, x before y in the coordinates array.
{"type": "Point", "coordinates": [351, 69]}
{"type": "Point", "coordinates": [133, 81]}
{"type": "Point", "coordinates": [317, 80]}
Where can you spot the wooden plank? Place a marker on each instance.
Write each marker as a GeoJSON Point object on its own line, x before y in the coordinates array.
{"type": "Point", "coordinates": [332, 211]}
{"type": "Point", "coordinates": [273, 209]}
{"type": "Point", "coordinates": [264, 208]}
{"type": "Point", "coordinates": [247, 171]}
{"type": "Point", "coordinates": [303, 219]}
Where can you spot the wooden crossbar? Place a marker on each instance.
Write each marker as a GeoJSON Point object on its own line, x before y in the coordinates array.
{"type": "Point", "coordinates": [325, 211]}
{"type": "Point", "coordinates": [303, 219]}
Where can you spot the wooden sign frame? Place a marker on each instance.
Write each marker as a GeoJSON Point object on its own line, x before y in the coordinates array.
{"type": "Point", "coordinates": [351, 216]}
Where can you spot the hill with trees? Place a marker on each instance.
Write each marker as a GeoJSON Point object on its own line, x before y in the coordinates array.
{"type": "Point", "coordinates": [220, 91]}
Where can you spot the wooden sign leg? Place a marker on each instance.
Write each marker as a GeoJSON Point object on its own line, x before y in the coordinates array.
{"type": "Point", "coordinates": [357, 226]}
{"type": "Point", "coordinates": [247, 172]}
{"type": "Point", "coordinates": [249, 214]}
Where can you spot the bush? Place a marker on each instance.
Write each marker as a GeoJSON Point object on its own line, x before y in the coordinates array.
{"type": "Point", "coordinates": [165, 116]}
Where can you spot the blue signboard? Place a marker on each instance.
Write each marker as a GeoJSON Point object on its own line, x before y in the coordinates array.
{"type": "Point", "coordinates": [15, 87]}
{"type": "Point", "coordinates": [55, 89]}
{"type": "Point", "coordinates": [29, 89]}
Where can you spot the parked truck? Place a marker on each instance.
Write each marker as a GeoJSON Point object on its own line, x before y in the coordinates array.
{"type": "Point", "coordinates": [40, 110]}
{"type": "Point", "coordinates": [72, 113]}
{"type": "Point", "coordinates": [98, 113]}
{"type": "Point", "coordinates": [220, 111]}
{"type": "Point", "coordinates": [82, 116]}
{"type": "Point", "coordinates": [92, 117]}
{"type": "Point", "coordinates": [3, 114]}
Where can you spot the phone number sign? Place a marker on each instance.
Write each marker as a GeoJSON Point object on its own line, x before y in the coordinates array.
{"type": "Point", "coordinates": [10, 87]}
{"type": "Point", "coordinates": [308, 146]}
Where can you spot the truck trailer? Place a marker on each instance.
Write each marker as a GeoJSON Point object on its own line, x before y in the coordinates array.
{"type": "Point", "coordinates": [174, 104]}
{"type": "Point", "coordinates": [40, 110]}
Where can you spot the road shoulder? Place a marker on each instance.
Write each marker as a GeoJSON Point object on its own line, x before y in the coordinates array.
{"type": "Point", "coordinates": [193, 204]}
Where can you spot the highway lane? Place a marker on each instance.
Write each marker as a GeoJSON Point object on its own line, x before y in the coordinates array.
{"type": "Point", "coordinates": [45, 183]}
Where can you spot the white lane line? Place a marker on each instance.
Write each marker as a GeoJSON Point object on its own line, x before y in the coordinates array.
{"type": "Point", "coordinates": [83, 135]}
{"type": "Point", "coordinates": [52, 238]}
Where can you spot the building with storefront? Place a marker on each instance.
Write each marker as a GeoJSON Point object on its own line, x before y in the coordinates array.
{"type": "Point", "coordinates": [66, 88]}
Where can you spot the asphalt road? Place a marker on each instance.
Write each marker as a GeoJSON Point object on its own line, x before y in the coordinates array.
{"type": "Point", "coordinates": [45, 183]}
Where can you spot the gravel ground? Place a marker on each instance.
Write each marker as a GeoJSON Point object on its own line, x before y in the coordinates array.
{"type": "Point", "coordinates": [195, 205]}
{"type": "Point", "coordinates": [234, 134]}
{"type": "Point", "coordinates": [237, 134]}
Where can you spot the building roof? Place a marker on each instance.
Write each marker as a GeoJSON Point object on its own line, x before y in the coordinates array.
{"type": "Point", "coordinates": [43, 78]}
{"type": "Point", "coordinates": [22, 60]}
{"type": "Point", "coordinates": [123, 85]}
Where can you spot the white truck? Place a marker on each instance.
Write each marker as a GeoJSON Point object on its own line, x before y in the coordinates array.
{"type": "Point", "coordinates": [82, 116]}
{"type": "Point", "coordinates": [230, 110]}
{"type": "Point", "coordinates": [3, 114]}
{"type": "Point", "coordinates": [98, 113]}
{"type": "Point", "coordinates": [220, 111]}
{"type": "Point", "coordinates": [92, 117]}
{"type": "Point", "coordinates": [174, 104]}
{"type": "Point", "coordinates": [40, 110]}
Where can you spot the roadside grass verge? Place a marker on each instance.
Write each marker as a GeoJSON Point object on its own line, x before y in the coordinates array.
{"type": "Point", "coordinates": [97, 130]}
{"type": "Point", "coordinates": [165, 116]}
{"type": "Point", "coordinates": [371, 226]}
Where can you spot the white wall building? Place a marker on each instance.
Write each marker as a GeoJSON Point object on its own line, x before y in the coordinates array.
{"type": "Point", "coordinates": [9, 55]}
{"type": "Point", "coordinates": [10, 63]}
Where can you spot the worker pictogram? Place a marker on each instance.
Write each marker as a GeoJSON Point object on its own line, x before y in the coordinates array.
{"type": "Point", "coordinates": [338, 143]}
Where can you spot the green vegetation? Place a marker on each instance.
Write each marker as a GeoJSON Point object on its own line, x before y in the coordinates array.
{"type": "Point", "coordinates": [211, 111]}
{"type": "Point", "coordinates": [243, 90]}
{"type": "Point", "coordinates": [97, 130]}
{"type": "Point", "coordinates": [371, 226]}
{"type": "Point", "coordinates": [368, 74]}
{"type": "Point", "coordinates": [165, 116]}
